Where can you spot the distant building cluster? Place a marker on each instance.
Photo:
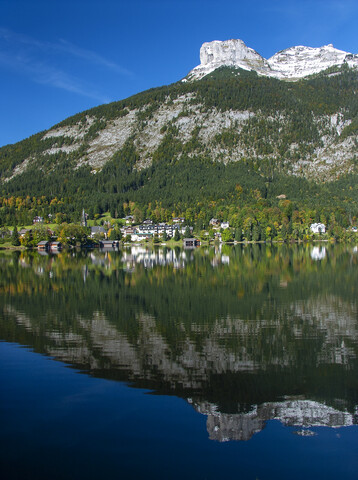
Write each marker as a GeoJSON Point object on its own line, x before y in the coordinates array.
{"type": "Point", "coordinates": [215, 223]}
{"type": "Point", "coordinates": [148, 229]}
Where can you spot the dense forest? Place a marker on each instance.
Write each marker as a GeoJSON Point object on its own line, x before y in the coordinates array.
{"type": "Point", "coordinates": [186, 177]}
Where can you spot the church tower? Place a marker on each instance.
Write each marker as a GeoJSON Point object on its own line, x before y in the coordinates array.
{"type": "Point", "coordinates": [84, 219]}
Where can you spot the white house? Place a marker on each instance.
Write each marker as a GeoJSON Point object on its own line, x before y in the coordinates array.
{"type": "Point", "coordinates": [138, 236]}
{"type": "Point", "coordinates": [214, 222]}
{"type": "Point", "coordinates": [129, 219]}
{"type": "Point", "coordinates": [318, 228]}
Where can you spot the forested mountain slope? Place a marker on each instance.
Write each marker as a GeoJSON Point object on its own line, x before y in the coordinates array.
{"type": "Point", "coordinates": [232, 136]}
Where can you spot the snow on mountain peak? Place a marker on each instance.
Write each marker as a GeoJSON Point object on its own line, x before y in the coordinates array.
{"type": "Point", "coordinates": [300, 61]}
{"type": "Point", "coordinates": [292, 63]}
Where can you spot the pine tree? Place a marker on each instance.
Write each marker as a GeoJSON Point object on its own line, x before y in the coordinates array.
{"type": "Point", "coordinates": [187, 233]}
{"type": "Point", "coordinates": [238, 234]}
{"type": "Point", "coordinates": [15, 237]}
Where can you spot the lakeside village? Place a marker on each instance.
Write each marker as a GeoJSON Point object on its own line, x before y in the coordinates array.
{"type": "Point", "coordinates": [110, 234]}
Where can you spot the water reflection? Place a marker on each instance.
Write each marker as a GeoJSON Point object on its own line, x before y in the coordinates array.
{"type": "Point", "coordinates": [318, 253]}
{"type": "Point", "coordinates": [293, 412]}
{"type": "Point", "coordinates": [245, 334]}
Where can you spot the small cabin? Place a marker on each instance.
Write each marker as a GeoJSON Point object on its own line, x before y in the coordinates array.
{"type": "Point", "coordinates": [24, 231]}
{"type": "Point", "coordinates": [55, 246]}
{"type": "Point", "coordinates": [43, 245]}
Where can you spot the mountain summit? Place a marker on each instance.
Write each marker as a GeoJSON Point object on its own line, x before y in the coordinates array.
{"type": "Point", "coordinates": [292, 63]}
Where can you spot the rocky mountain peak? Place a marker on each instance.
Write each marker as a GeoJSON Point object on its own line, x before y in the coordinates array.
{"type": "Point", "coordinates": [300, 61]}
{"type": "Point", "coordinates": [229, 51]}
{"type": "Point", "coordinates": [232, 53]}
{"type": "Point", "coordinates": [291, 63]}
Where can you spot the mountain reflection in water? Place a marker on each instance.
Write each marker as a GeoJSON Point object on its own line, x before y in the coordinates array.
{"type": "Point", "coordinates": [244, 334]}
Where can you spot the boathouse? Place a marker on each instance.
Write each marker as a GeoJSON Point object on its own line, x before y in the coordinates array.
{"type": "Point", "coordinates": [55, 246]}
{"type": "Point", "coordinates": [109, 244]}
{"type": "Point", "coordinates": [191, 242]}
{"type": "Point", "coordinates": [43, 245]}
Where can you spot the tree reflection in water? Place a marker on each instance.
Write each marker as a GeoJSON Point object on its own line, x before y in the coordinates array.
{"type": "Point", "coordinates": [245, 334]}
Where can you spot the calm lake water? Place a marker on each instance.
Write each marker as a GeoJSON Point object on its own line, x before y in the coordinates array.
{"type": "Point", "coordinates": [239, 362]}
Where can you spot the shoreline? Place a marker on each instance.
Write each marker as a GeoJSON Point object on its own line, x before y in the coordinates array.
{"type": "Point", "coordinates": [21, 248]}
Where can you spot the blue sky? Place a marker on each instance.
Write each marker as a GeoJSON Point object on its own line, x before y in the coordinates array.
{"type": "Point", "coordinates": [60, 57]}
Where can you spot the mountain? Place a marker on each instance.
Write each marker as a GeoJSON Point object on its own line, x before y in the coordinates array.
{"type": "Point", "coordinates": [290, 64]}
{"type": "Point", "coordinates": [232, 125]}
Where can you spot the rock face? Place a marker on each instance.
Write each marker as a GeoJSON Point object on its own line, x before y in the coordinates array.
{"type": "Point", "coordinates": [233, 53]}
{"type": "Point", "coordinates": [292, 63]}
{"type": "Point", "coordinates": [298, 62]}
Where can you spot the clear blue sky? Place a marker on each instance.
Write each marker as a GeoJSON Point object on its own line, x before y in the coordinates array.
{"type": "Point", "coordinates": [60, 57]}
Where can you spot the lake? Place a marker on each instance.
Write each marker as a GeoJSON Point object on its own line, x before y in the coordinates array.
{"type": "Point", "coordinates": [218, 362]}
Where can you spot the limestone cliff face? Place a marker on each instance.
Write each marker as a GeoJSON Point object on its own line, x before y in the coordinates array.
{"type": "Point", "coordinates": [228, 53]}
{"type": "Point", "coordinates": [291, 63]}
